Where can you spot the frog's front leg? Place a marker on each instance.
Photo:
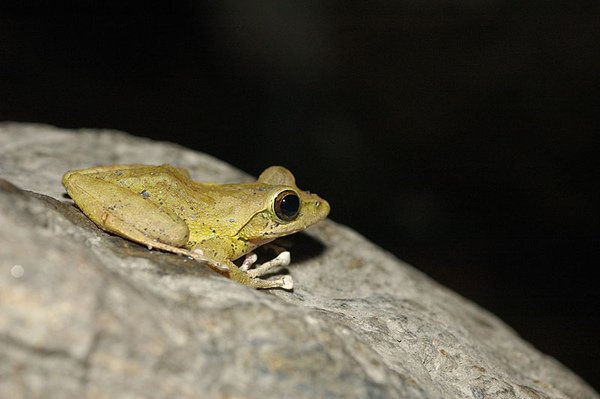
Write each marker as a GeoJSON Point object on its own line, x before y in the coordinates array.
{"type": "Point", "coordinates": [127, 214]}
{"type": "Point", "coordinates": [283, 259]}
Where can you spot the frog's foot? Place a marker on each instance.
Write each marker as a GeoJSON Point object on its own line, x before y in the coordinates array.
{"type": "Point", "coordinates": [243, 275]}
{"type": "Point", "coordinates": [253, 275]}
{"type": "Point", "coordinates": [283, 259]}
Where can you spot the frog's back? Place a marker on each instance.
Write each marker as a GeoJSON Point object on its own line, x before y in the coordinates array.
{"type": "Point", "coordinates": [166, 186]}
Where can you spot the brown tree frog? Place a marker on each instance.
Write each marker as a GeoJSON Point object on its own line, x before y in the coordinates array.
{"type": "Point", "coordinates": [162, 207]}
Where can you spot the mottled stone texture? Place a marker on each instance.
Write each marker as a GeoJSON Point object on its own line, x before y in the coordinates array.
{"type": "Point", "coordinates": [87, 314]}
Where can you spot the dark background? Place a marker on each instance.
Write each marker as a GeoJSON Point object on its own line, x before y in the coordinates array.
{"type": "Point", "coordinates": [462, 136]}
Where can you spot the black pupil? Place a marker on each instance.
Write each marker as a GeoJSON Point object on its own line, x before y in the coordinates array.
{"type": "Point", "coordinates": [289, 206]}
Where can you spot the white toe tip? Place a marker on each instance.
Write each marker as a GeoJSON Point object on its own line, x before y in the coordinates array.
{"type": "Point", "coordinates": [285, 258]}
{"type": "Point", "coordinates": [288, 283]}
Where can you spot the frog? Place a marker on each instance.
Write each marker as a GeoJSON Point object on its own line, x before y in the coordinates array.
{"type": "Point", "coordinates": [161, 207]}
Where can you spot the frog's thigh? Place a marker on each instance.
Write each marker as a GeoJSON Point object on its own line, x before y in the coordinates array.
{"type": "Point", "coordinates": [125, 213]}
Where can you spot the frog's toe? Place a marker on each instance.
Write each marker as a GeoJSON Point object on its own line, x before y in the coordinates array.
{"type": "Point", "coordinates": [284, 282]}
{"type": "Point", "coordinates": [249, 260]}
{"type": "Point", "coordinates": [287, 282]}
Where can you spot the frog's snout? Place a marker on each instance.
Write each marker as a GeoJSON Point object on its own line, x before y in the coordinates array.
{"type": "Point", "coordinates": [322, 208]}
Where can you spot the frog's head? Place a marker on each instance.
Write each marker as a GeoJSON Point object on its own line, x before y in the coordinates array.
{"type": "Point", "coordinates": [286, 210]}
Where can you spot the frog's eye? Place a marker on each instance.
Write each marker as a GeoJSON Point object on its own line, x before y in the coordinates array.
{"type": "Point", "coordinates": [287, 205]}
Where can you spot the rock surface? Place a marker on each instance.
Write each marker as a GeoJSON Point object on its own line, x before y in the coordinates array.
{"type": "Point", "coordinates": [87, 314]}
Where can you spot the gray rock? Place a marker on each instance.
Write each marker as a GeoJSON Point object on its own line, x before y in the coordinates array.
{"type": "Point", "coordinates": [87, 314]}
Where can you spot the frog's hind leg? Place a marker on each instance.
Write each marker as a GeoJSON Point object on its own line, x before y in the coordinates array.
{"type": "Point", "coordinates": [283, 259]}
{"type": "Point", "coordinates": [127, 214]}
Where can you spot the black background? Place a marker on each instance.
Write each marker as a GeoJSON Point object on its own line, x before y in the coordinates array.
{"type": "Point", "coordinates": [461, 136]}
